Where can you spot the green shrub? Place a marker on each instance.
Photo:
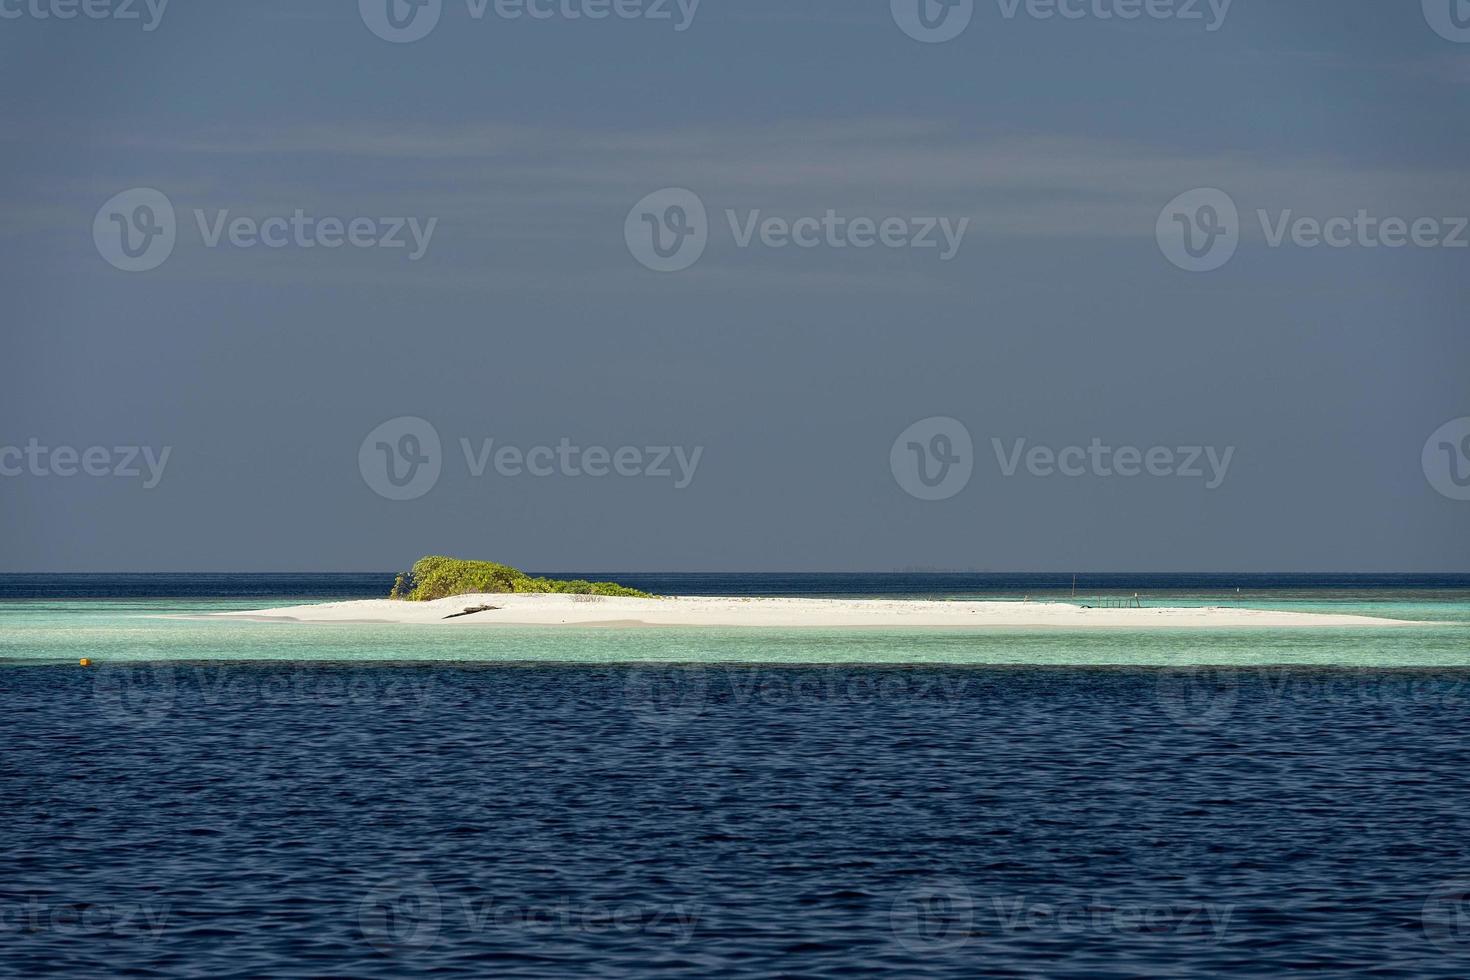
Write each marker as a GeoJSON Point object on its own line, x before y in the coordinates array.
{"type": "Point", "coordinates": [437, 577]}
{"type": "Point", "coordinates": [400, 587]}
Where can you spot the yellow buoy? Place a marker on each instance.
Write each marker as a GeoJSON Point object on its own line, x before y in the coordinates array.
{"type": "Point", "coordinates": [85, 662]}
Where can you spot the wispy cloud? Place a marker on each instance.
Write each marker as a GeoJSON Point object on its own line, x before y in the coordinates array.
{"type": "Point", "coordinates": [1012, 184]}
{"type": "Point", "coordinates": [538, 207]}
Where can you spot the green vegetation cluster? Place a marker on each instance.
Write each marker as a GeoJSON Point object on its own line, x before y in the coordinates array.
{"type": "Point", "coordinates": [436, 577]}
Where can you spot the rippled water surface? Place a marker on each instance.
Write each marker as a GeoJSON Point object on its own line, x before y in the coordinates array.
{"type": "Point", "coordinates": [262, 800]}
{"type": "Point", "coordinates": [292, 820]}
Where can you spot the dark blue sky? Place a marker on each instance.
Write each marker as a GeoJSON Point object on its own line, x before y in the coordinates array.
{"type": "Point", "coordinates": [528, 321]}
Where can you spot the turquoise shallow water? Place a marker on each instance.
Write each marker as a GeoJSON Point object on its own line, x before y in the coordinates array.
{"type": "Point", "coordinates": [52, 631]}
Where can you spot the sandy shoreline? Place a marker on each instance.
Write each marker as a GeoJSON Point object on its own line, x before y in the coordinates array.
{"type": "Point", "coordinates": [565, 610]}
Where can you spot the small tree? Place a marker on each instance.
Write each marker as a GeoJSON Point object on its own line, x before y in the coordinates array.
{"type": "Point", "coordinates": [401, 587]}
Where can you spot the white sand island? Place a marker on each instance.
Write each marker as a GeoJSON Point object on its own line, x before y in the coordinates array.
{"type": "Point", "coordinates": [534, 609]}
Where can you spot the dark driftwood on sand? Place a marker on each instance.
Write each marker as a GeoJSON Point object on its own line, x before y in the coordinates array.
{"type": "Point", "coordinates": [470, 611]}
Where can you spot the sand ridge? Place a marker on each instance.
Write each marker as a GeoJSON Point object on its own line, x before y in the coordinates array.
{"type": "Point", "coordinates": [528, 609]}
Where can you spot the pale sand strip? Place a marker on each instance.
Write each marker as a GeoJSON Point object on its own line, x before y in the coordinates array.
{"type": "Point", "coordinates": [562, 610]}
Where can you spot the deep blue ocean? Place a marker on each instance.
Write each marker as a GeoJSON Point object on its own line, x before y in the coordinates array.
{"type": "Point", "coordinates": [328, 814]}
